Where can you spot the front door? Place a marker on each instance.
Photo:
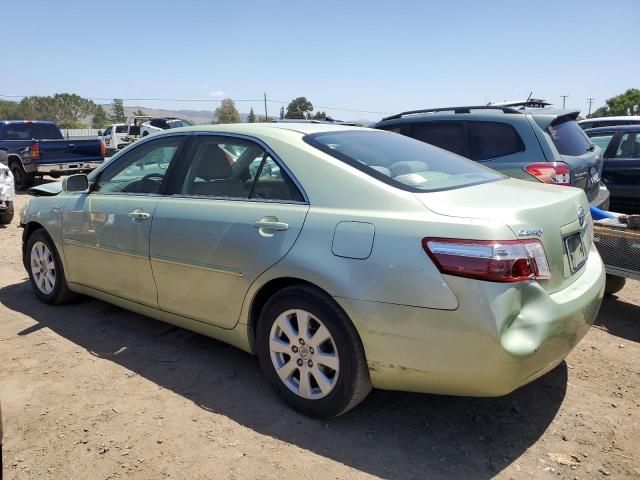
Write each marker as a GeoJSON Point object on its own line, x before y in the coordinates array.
{"type": "Point", "coordinates": [106, 232]}
{"type": "Point", "coordinates": [235, 212]}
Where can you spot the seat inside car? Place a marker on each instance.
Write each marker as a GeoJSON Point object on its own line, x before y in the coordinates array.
{"type": "Point", "coordinates": [212, 174]}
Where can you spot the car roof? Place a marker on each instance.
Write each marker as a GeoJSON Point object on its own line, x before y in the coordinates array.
{"type": "Point", "coordinates": [622, 128]}
{"type": "Point", "coordinates": [262, 128]}
{"type": "Point", "coordinates": [618, 118]}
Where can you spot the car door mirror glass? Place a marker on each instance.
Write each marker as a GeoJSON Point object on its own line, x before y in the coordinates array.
{"type": "Point", "coordinates": [75, 183]}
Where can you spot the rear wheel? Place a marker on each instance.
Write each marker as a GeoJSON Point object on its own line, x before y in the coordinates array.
{"type": "Point", "coordinates": [7, 216]}
{"type": "Point", "coordinates": [45, 270]}
{"type": "Point", "coordinates": [22, 179]}
{"type": "Point", "coordinates": [614, 284]}
{"type": "Point", "coordinates": [311, 353]}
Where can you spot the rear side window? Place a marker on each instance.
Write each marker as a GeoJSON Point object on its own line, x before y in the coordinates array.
{"type": "Point", "coordinates": [447, 135]}
{"type": "Point", "coordinates": [401, 161]}
{"type": "Point", "coordinates": [569, 138]}
{"type": "Point", "coordinates": [121, 129]}
{"type": "Point", "coordinates": [629, 146]}
{"type": "Point", "coordinates": [489, 140]}
{"type": "Point", "coordinates": [28, 131]}
{"type": "Point", "coordinates": [602, 139]}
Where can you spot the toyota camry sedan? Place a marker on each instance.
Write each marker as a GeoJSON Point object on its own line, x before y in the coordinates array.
{"type": "Point", "coordinates": [344, 258]}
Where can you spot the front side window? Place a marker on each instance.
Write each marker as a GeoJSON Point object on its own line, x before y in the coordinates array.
{"type": "Point", "coordinates": [402, 161]}
{"type": "Point", "coordinates": [569, 138]}
{"type": "Point", "coordinates": [447, 135]}
{"type": "Point", "coordinates": [235, 168]}
{"type": "Point", "coordinates": [142, 170]}
{"type": "Point", "coordinates": [602, 140]}
{"type": "Point", "coordinates": [629, 146]}
{"type": "Point", "coordinates": [488, 140]}
{"type": "Point", "coordinates": [107, 132]}
{"type": "Point", "coordinates": [121, 129]}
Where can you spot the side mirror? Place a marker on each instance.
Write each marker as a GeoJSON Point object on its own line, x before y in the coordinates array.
{"type": "Point", "coordinates": [75, 183]}
{"type": "Point", "coordinates": [100, 133]}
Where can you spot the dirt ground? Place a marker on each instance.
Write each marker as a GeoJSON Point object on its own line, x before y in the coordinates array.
{"type": "Point", "coordinates": [90, 391]}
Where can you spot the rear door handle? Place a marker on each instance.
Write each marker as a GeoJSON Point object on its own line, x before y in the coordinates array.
{"type": "Point", "coordinates": [139, 214]}
{"type": "Point", "coordinates": [269, 225]}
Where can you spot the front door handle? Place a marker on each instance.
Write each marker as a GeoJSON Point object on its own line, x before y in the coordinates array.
{"type": "Point", "coordinates": [269, 225]}
{"type": "Point", "coordinates": [139, 214]}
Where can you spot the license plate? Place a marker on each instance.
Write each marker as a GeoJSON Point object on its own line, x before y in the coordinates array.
{"type": "Point", "coordinates": [575, 251]}
{"type": "Point", "coordinates": [595, 176]}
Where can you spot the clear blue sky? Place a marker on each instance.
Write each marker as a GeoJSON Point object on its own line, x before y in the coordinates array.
{"type": "Point", "coordinates": [369, 55]}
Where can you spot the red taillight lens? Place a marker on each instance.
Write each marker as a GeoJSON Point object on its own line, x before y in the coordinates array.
{"type": "Point", "coordinates": [556, 173]}
{"type": "Point", "coordinates": [490, 260]}
{"type": "Point", "coordinates": [35, 151]}
{"type": "Point", "coordinates": [102, 149]}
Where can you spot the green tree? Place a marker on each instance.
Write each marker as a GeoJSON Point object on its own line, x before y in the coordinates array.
{"type": "Point", "coordinates": [100, 119]}
{"type": "Point", "coordinates": [117, 111]}
{"type": "Point", "coordinates": [226, 112]}
{"type": "Point", "coordinates": [139, 113]}
{"type": "Point", "coordinates": [281, 113]}
{"type": "Point", "coordinates": [298, 107]}
{"type": "Point", "coordinates": [251, 118]}
{"type": "Point", "coordinates": [263, 119]}
{"type": "Point", "coordinates": [627, 103]}
{"type": "Point", "coordinates": [319, 115]}
{"type": "Point", "coordinates": [11, 110]}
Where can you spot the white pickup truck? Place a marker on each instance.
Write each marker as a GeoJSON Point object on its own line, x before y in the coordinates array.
{"type": "Point", "coordinates": [158, 124]}
{"type": "Point", "coordinates": [114, 138]}
{"type": "Point", "coordinates": [7, 192]}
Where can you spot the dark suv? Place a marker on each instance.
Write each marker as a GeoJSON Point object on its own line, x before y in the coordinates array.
{"type": "Point", "coordinates": [530, 145]}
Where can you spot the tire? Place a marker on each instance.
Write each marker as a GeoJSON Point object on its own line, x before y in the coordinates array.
{"type": "Point", "coordinates": [21, 178]}
{"type": "Point", "coordinates": [346, 382]}
{"type": "Point", "coordinates": [614, 284]}
{"type": "Point", "coordinates": [145, 134]}
{"type": "Point", "coordinates": [45, 262]}
{"type": "Point", "coordinates": [7, 216]}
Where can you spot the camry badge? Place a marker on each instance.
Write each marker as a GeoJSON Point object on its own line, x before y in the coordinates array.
{"type": "Point", "coordinates": [531, 232]}
{"type": "Point", "coordinates": [581, 216]}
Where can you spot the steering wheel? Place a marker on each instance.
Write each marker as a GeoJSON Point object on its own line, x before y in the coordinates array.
{"type": "Point", "coordinates": [156, 177]}
{"type": "Point", "coordinates": [150, 183]}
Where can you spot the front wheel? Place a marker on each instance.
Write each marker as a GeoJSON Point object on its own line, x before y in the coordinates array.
{"type": "Point", "coordinates": [311, 353]}
{"type": "Point", "coordinates": [7, 216]}
{"type": "Point", "coordinates": [45, 270]}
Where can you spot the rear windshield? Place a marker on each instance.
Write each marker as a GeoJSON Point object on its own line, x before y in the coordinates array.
{"type": "Point", "coordinates": [402, 161]}
{"type": "Point", "coordinates": [28, 131]}
{"type": "Point", "coordinates": [569, 138]}
{"type": "Point", "coordinates": [121, 129]}
{"type": "Point", "coordinates": [178, 123]}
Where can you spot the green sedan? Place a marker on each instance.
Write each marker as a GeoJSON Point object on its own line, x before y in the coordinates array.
{"type": "Point", "coordinates": [344, 258]}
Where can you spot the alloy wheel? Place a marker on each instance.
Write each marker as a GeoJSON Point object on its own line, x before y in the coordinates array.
{"type": "Point", "coordinates": [43, 268]}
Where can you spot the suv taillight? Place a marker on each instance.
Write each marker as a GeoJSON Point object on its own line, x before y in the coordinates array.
{"type": "Point", "coordinates": [35, 151]}
{"type": "Point", "coordinates": [555, 173]}
{"type": "Point", "coordinates": [491, 260]}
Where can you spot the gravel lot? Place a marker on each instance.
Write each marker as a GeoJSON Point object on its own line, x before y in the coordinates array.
{"type": "Point", "coordinates": [90, 391]}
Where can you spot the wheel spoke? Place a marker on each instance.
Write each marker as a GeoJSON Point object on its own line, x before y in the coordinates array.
{"type": "Point", "coordinates": [51, 277]}
{"type": "Point", "coordinates": [324, 382]}
{"type": "Point", "coordinates": [320, 336]}
{"type": "Point", "coordinates": [51, 265]}
{"type": "Point", "coordinates": [328, 360]}
{"type": "Point", "coordinates": [279, 346]}
{"type": "Point", "coordinates": [285, 371]}
{"type": "Point", "coordinates": [305, 387]}
{"type": "Point", "coordinates": [284, 322]}
{"type": "Point", "coordinates": [303, 323]}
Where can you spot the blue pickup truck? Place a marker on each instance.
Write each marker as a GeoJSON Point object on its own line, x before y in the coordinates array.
{"type": "Point", "coordinates": [37, 148]}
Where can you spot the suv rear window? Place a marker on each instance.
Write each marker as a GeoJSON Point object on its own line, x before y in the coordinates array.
{"type": "Point", "coordinates": [402, 161]}
{"type": "Point", "coordinates": [447, 135]}
{"type": "Point", "coordinates": [492, 140]}
{"type": "Point", "coordinates": [569, 138]}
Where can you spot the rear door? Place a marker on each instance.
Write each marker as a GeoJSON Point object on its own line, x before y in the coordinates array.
{"type": "Point", "coordinates": [235, 211]}
{"type": "Point", "coordinates": [622, 169]}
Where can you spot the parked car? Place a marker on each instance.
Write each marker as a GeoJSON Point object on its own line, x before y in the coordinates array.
{"type": "Point", "coordinates": [37, 148]}
{"type": "Point", "coordinates": [114, 138]}
{"type": "Point", "coordinates": [531, 145]}
{"type": "Point", "coordinates": [162, 123]}
{"type": "Point", "coordinates": [621, 173]}
{"type": "Point", "coordinates": [352, 257]}
{"type": "Point", "coordinates": [7, 192]}
{"type": "Point", "coordinates": [609, 121]}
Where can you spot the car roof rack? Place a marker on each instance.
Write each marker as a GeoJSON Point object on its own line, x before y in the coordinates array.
{"type": "Point", "coordinates": [466, 109]}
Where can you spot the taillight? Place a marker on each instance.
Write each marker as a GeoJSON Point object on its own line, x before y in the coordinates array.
{"type": "Point", "coordinates": [556, 173]}
{"type": "Point", "coordinates": [35, 151]}
{"type": "Point", "coordinates": [491, 260]}
{"type": "Point", "coordinates": [102, 149]}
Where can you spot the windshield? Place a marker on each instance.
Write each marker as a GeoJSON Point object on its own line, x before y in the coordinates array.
{"type": "Point", "coordinates": [569, 138]}
{"type": "Point", "coordinates": [178, 123]}
{"type": "Point", "coordinates": [402, 161]}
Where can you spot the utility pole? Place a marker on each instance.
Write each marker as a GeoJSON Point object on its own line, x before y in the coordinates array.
{"type": "Point", "coordinates": [564, 98]}
{"type": "Point", "coordinates": [266, 115]}
{"type": "Point", "coordinates": [590, 102]}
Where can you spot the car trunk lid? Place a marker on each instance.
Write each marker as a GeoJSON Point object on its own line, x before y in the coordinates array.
{"type": "Point", "coordinates": [550, 213]}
